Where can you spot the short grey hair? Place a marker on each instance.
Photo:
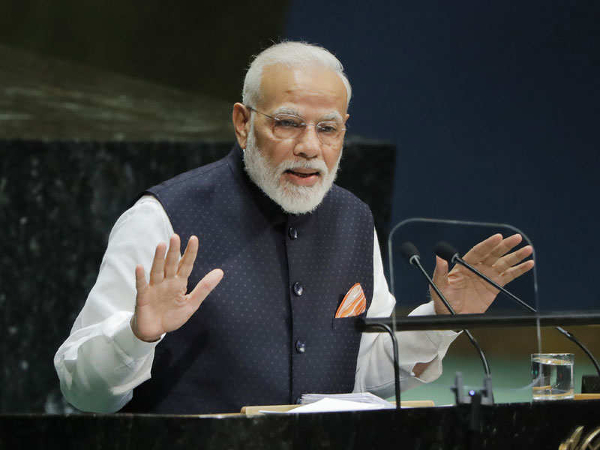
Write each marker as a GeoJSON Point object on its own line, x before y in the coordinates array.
{"type": "Point", "coordinates": [291, 54]}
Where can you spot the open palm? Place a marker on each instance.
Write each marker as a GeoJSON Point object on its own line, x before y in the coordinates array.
{"type": "Point", "coordinates": [163, 304]}
{"type": "Point", "coordinates": [465, 291]}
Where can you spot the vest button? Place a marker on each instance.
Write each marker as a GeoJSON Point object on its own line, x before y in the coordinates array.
{"type": "Point", "coordinates": [300, 347]}
{"type": "Point", "coordinates": [298, 289]}
{"type": "Point", "coordinates": [292, 233]}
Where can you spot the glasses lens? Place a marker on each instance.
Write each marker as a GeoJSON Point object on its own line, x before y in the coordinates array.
{"type": "Point", "coordinates": [286, 127]}
{"type": "Point", "coordinates": [290, 127]}
{"type": "Point", "coordinates": [329, 132]}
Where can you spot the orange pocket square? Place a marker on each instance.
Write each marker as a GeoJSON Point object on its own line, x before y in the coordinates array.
{"type": "Point", "coordinates": [354, 303]}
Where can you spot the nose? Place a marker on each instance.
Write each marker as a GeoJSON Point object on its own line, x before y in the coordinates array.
{"type": "Point", "coordinates": [308, 144]}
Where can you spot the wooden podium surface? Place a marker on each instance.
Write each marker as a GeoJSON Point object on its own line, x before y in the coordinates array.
{"type": "Point", "coordinates": [514, 426]}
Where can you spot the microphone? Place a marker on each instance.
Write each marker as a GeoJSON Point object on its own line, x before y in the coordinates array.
{"type": "Point", "coordinates": [410, 252]}
{"type": "Point", "coordinates": [446, 251]}
{"type": "Point", "coordinates": [412, 256]}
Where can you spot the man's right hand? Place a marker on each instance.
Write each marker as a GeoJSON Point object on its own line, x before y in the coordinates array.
{"type": "Point", "coordinates": [163, 305]}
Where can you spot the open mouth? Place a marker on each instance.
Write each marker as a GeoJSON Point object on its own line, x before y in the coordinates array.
{"type": "Point", "coordinates": [303, 174]}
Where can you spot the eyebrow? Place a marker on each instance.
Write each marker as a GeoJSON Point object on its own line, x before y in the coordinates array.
{"type": "Point", "coordinates": [333, 115]}
{"type": "Point", "coordinates": [286, 110]}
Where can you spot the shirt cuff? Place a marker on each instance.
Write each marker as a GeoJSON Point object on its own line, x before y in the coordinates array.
{"type": "Point", "coordinates": [440, 341]}
{"type": "Point", "coordinates": [129, 344]}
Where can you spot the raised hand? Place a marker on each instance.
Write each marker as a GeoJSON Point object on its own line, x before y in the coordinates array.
{"type": "Point", "coordinates": [465, 291]}
{"type": "Point", "coordinates": [162, 305]}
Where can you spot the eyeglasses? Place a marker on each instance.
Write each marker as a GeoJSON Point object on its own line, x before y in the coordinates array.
{"type": "Point", "coordinates": [289, 126]}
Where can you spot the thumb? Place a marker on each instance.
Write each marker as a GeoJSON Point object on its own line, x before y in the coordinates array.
{"type": "Point", "coordinates": [206, 285]}
{"type": "Point", "coordinates": [440, 278]}
{"type": "Point", "coordinates": [440, 273]}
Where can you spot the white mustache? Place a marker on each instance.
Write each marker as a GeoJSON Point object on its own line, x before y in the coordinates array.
{"type": "Point", "coordinates": [316, 166]}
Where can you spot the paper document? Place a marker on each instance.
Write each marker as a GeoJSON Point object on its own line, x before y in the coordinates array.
{"type": "Point", "coordinates": [328, 405]}
{"type": "Point", "coordinates": [360, 397]}
{"type": "Point", "coordinates": [312, 403]}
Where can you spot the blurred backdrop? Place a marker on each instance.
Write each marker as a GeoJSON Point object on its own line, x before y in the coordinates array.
{"type": "Point", "coordinates": [470, 110]}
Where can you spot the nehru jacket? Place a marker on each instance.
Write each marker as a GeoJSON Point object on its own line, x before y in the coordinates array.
{"type": "Point", "coordinates": [268, 332]}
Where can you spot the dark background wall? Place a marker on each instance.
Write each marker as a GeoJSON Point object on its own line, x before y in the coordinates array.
{"type": "Point", "coordinates": [494, 110]}
{"type": "Point", "coordinates": [198, 46]}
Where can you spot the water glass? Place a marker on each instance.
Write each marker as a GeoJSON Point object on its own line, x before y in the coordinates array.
{"type": "Point", "coordinates": [552, 375]}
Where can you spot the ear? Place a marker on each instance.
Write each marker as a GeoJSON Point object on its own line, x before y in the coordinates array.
{"type": "Point", "coordinates": [241, 123]}
{"type": "Point", "coordinates": [345, 127]}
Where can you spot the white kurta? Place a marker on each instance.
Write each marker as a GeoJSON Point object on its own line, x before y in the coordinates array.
{"type": "Point", "coordinates": [102, 361]}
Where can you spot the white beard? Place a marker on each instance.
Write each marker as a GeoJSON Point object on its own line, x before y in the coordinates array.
{"type": "Point", "coordinates": [292, 198]}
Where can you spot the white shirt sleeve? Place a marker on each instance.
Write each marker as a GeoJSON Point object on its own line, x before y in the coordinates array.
{"type": "Point", "coordinates": [102, 360]}
{"type": "Point", "coordinates": [374, 368]}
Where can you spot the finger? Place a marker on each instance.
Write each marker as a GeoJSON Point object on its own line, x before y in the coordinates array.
{"type": "Point", "coordinates": [158, 264]}
{"type": "Point", "coordinates": [172, 257]}
{"type": "Point", "coordinates": [205, 286]}
{"type": "Point", "coordinates": [516, 271]}
{"type": "Point", "coordinates": [481, 251]}
{"type": "Point", "coordinates": [186, 264]}
{"type": "Point", "coordinates": [506, 262]}
{"type": "Point", "coordinates": [140, 279]}
{"type": "Point", "coordinates": [503, 248]}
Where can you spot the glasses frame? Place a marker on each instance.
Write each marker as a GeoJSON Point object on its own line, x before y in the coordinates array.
{"type": "Point", "coordinates": [302, 125]}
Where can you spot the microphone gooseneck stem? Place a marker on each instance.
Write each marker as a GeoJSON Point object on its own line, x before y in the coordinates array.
{"type": "Point", "coordinates": [581, 346]}
{"type": "Point", "coordinates": [417, 263]}
{"type": "Point", "coordinates": [568, 335]}
{"type": "Point", "coordinates": [396, 364]}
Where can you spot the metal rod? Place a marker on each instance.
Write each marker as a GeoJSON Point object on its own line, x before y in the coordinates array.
{"type": "Point", "coordinates": [386, 328]}
{"type": "Point", "coordinates": [448, 322]}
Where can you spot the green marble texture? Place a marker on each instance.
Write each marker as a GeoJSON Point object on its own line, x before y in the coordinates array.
{"type": "Point", "coordinates": [74, 101]}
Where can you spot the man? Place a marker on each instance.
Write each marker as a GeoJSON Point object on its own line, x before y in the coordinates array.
{"type": "Point", "coordinates": [281, 246]}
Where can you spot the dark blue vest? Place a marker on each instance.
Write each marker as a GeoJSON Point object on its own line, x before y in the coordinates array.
{"type": "Point", "coordinates": [267, 333]}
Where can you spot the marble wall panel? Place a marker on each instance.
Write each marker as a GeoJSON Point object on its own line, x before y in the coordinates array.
{"type": "Point", "coordinates": [58, 202]}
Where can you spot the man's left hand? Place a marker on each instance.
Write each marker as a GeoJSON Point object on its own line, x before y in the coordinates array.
{"type": "Point", "coordinates": [465, 291]}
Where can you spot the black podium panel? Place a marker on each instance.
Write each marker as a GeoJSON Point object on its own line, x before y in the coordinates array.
{"type": "Point", "coordinates": [514, 426]}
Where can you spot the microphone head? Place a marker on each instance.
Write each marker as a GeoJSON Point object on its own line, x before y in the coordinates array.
{"type": "Point", "coordinates": [409, 250]}
{"type": "Point", "coordinates": [445, 251]}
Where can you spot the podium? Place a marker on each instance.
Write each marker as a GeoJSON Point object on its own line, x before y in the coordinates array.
{"type": "Point", "coordinates": [543, 425]}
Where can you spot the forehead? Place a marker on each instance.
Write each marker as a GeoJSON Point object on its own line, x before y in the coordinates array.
{"type": "Point", "coordinates": [309, 90]}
